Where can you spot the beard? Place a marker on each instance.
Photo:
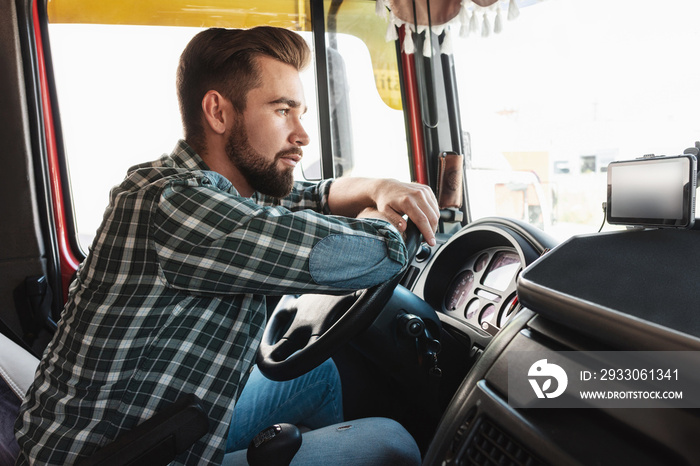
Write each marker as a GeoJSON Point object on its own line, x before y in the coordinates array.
{"type": "Point", "coordinates": [264, 177]}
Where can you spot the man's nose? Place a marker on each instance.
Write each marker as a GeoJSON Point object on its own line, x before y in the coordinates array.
{"type": "Point", "coordinates": [299, 136]}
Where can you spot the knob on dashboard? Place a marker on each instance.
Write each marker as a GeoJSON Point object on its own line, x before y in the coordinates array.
{"type": "Point", "coordinates": [423, 252]}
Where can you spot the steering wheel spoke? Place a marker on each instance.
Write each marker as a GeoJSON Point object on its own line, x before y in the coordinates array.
{"type": "Point", "coordinates": [303, 331]}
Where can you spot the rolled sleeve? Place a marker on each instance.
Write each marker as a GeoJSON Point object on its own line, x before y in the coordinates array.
{"type": "Point", "coordinates": [352, 262]}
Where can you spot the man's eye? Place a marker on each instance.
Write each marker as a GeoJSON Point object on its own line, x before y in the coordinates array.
{"type": "Point", "coordinates": [283, 111]}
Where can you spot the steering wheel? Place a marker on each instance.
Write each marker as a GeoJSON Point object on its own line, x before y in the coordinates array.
{"type": "Point", "coordinates": [303, 331]}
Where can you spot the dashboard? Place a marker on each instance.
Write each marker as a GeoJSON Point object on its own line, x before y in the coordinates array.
{"type": "Point", "coordinates": [464, 289]}
{"type": "Point", "coordinates": [604, 303]}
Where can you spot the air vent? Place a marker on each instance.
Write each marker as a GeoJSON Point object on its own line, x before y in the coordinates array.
{"type": "Point", "coordinates": [488, 445]}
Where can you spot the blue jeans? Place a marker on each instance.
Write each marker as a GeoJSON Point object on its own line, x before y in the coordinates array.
{"type": "Point", "coordinates": [314, 400]}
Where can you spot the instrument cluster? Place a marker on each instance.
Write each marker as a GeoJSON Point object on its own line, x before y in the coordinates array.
{"type": "Point", "coordinates": [482, 293]}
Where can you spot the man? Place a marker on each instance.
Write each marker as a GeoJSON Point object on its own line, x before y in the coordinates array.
{"type": "Point", "coordinates": [171, 298]}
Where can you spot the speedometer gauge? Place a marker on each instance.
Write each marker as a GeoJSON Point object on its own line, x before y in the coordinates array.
{"type": "Point", "coordinates": [459, 289]}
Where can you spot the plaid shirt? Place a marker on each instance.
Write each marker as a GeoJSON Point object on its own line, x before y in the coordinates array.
{"type": "Point", "coordinates": [171, 300]}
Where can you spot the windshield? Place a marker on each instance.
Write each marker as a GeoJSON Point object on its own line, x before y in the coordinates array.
{"type": "Point", "coordinates": [565, 89]}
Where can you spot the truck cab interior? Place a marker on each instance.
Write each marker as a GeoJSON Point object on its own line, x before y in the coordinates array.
{"type": "Point", "coordinates": [559, 136]}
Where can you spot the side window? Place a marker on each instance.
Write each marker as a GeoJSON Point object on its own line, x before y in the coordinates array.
{"type": "Point", "coordinates": [377, 143]}
{"type": "Point", "coordinates": [118, 106]}
{"type": "Point", "coordinates": [117, 103]}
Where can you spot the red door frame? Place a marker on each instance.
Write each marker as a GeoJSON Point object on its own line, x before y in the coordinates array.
{"type": "Point", "coordinates": [413, 112]}
{"type": "Point", "coordinates": [68, 262]}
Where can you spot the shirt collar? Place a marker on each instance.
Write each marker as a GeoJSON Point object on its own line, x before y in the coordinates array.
{"type": "Point", "coordinates": [184, 156]}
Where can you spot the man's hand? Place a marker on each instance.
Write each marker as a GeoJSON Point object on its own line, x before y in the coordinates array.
{"type": "Point", "coordinates": [387, 199]}
{"type": "Point", "coordinates": [395, 199]}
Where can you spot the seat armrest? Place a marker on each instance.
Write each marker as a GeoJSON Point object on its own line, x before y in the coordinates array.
{"type": "Point", "coordinates": [17, 366]}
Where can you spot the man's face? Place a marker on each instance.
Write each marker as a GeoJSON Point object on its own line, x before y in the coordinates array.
{"type": "Point", "coordinates": [266, 139]}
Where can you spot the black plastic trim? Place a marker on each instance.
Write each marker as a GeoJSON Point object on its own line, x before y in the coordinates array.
{"type": "Point", "coordinates": [318, 28]}
{"type": "Point", "coordinates": [39, 151]}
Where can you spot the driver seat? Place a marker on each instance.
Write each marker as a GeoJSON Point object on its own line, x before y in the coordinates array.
{"type": "Point", "coordinates": [156, 441]}
{"type": "Point", "coordinates": [17, 368]}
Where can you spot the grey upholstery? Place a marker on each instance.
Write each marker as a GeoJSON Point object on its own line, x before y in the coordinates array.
{"type": "Point", "coordinates": [17, 368]}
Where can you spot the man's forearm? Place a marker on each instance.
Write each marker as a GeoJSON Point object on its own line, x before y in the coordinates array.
{"type": "Point", "coordinates": [391, 198]}
{"type": "Point", "coordinates": [350, 196]}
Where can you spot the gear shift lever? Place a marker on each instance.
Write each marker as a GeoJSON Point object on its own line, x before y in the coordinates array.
{"type": "Point", "coordinates": [274, 446]}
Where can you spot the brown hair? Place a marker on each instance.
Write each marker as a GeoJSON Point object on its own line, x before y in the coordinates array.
{"type": "Point", "coordinates": [224, 60]}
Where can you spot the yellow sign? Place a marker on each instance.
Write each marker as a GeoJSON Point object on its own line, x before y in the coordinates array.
{"type": "Point", "coordinates": [389, 86]}
{"type": "Point", "coordinates": [291, 14]}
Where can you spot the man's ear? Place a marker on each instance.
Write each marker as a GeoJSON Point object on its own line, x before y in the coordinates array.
{"type": "Point", "coordinates": [217, 111]}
